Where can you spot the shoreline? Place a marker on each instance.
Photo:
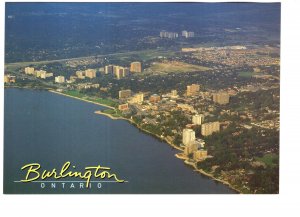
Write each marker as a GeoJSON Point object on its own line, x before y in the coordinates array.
{"type": "Point", "coordinates": [116, 118]}
{"type": "Point", "coordinates": [26, 87]}
{"type": "Point", "coordinates": [85, 100]}
{"type": "Point", "coordinates": [209, 175]}
{"type": "Point", "coordinates": [110, 116]}
{"type": "Point", "coordinates": [140, 128]}
{"type": "Point", "coordinates": [202, 172]}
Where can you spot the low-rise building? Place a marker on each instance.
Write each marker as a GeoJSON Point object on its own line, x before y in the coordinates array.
{"type": "Point", "coordinates": [200, 155]}
{"type": "Point", "coordinates": [186, 107]}
{"type": "Point", "coordinates": [46, 75]}
{"type": "Point", "coordinates": [174, 94]}
{"type": "Point", "coordinates": [123, 107]}
{"type": "Point", "coordinates": [82, 86]}
{"type": "Point", "coordinates": [9, 79]}
{"type": "Point", "coordinates": [193, 146]}
{"type": "Point", "coordinates": [73, 78]}
{"type": "Point", "coordinates": [137, 99]}
{"type": "Point", "coordinates": [124, 94]}
{"type": "Point", "coordinates": [154, 98]}
{"type": "Point", "coordinates": [190, 148]}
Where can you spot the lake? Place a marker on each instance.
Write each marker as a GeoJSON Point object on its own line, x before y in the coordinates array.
{"type": "Point", "coordinates": [50, 129]}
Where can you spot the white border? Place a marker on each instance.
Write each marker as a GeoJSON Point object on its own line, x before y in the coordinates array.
{"type": "Point", "coordinates": [284, 204]}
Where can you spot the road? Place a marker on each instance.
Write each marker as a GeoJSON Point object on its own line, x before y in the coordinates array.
{"type": "Point", "coordinates": [14, 66]}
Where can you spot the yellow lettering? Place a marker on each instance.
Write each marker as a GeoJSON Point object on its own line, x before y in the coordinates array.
{"type": "Point", "coordinates": [87, 176]}
{"type": "Point", "coordinates": [34, 167]}
{"type": "Point", "coordinates": [64, 169]}
{"type": "Point", "coordinates": [31, 170]}
{"type": "Point", "coordinates": [47, 174]}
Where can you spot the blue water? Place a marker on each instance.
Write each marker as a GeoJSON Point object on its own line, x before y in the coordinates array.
{"type": "Point", "coordinates": [50, 129]}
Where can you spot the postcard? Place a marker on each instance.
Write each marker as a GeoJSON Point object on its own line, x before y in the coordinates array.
{"type": "Point", "coordinates": [141, 98]}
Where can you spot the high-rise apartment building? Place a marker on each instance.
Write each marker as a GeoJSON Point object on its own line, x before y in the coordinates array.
{"type": "Point", "coordinates": [192, 90]}
{"type": "Point", "coordinates": [184, 33]}
{"type": "Point", "coordinates": [191, 34]}
{"type": "Point", "coordinates": [198, 119]}
{"type": "Point", "coordinates": [40, 74]}
{"type": "Point", "coordinates": [43, 74]}
{"type": "Point", "coordinates": [188, 136]}
{"type": "Point", "coordinates": [165, 34]}
{"type": "Point", "coordinates": [221, 98]}
{"type": "Point", "coordinates": [120, 72]}
{"type": "Point", "coordinates": [29, 70]}
{"type": "Point", "coordinates": [90, 73]}
{"type": "Point", "coordinates": [136, 67]}
{"type": "Point", "coordinates": [80, 74]}
{"type": "Point", "coordinates": [109, 69]}
{"type": "Point", "coordinates": [187, 34]}
{"type": "Point", "coordinates": [209, 128]}
{"type": "Point", "coordinates": [59, 79]}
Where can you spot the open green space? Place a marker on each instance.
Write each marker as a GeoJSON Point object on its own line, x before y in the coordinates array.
{"type": "Point", "coordinates": [246, 74]}
{"type": "Point", "coordinates": [174, 67]}
{"type": "Point", "coordinates": [113, 112]}
{"type": "Point", "coordinates": [269, 159]}
{"type": "Point", "coordinates": [76, 93]}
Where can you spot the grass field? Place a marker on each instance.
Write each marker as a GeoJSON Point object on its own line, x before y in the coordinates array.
{"type": "Point", "coordinates": [93, 99]}
{"type": "Point", "coordinates": [246, 74]}
{"type": "Point", "coordinates": [144, 55]}
{"type": "Point", "coordinates": [174, 67]}
{"type": "Point", "coordinates": [268, 159]}
{"type": "Point", "coordinates": [112, 112]}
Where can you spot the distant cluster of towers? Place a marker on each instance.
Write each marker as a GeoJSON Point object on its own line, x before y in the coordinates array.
{"type": "Point", "coordinates": [172, 35]}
